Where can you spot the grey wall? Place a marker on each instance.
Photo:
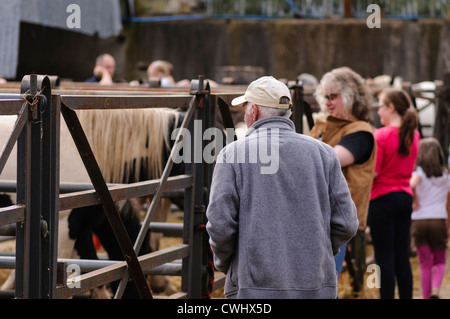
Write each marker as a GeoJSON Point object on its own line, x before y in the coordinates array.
{"type": "Point", "coordinates": [286, 48]}
{"type": "Point", "coordinates": [414, 50]}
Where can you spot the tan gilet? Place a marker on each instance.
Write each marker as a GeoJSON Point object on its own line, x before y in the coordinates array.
{"type": "Point", "coordinates": [359, 176]}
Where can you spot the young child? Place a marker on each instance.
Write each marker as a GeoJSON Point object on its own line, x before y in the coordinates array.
{"type": "Point", "coordinates": [431, 185]}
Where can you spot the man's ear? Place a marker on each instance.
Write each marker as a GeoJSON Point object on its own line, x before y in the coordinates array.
{"type": "Point", "coordinates": [255, 112]}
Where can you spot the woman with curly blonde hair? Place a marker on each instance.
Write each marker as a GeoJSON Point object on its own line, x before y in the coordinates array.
{"type": "Point", "coordinates": [350, 87]}
{"type": "Point", "coordinates": [346, 100]}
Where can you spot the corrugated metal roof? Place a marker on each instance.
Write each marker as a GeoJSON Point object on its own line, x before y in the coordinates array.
{"type": "Point", "coordinates": [9, 37]}
{"type": "Point", "coordinates": [99, 16]}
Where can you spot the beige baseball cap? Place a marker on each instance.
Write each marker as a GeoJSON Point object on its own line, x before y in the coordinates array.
{"type": "Point", "coordinates": [265, 91]}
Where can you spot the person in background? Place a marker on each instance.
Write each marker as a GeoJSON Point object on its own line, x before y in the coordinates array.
{"type": "Point", "coordinates": [104, 70]}
{"type": "Point", "coordinates": [430, 183]}
{"type": "Point", "coordinates": [159, 74]}
{"type": "Point", "coordinates": [347, 102]}
{"type": "Point", "coordinates": [390, 206]}
{"type": "Point", "coordinates": [275, 223]}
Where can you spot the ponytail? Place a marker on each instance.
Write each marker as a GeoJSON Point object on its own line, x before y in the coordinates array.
{"type": "Point", "coordinates": [410, 122]}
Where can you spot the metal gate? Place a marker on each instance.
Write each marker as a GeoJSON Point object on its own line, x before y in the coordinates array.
{"type": "Point", "coordinates": [39, 273]}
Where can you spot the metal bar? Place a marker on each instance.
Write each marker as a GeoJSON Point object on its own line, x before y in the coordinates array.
{"type": "Point", "coordinates": [442, 117]}
{"type": "Point", "coordinates": [12, 214]}
{"type": "Point", "coordinates": [114, 272]}
{"type": "Point", "coordinates": [13, 136]}
{"type": "Point", "coordinates": [173, 183]}
{"type": "Point", "coordinates": [308, 113]}
{"type": "Point", "coordinates": [197, 282]}
{"type": "Point", "coordinates": [79, 102]}
{"type": "Point", "coordinates": [28, 243]}
{"type": "Point", "coordinates": [211, 111]}
{"type": "Point", "coordinates": [69, 187]}
{"type": "Point", "coordinates": [50, 189]}
{"type": "Point", "coordinates": [188, 211]}
{"type": "Point", "coordinates": [109, 207]}
{"type": "Point", "coordinates": [208, 169]}
{"type": "Point", "coordinates": [168, 229]}
{"type": "Point", "coordinates": [10, 186]}
{"type": "Point", "coordinates": [23, 168]}
{"type": "Point", "coordinates": [167, 169]}
{"type": "Point", "coordinates": [7, 262]}
{"type": "Point", "coordinates": [120, 90]}
{"type": "Point", "coordinates": [88, 265]}
{"type": "Point", "coordinates": [298, 107]}
{"type": "Point", "coordinates": [10, 106]}
{"type": "Point", "coordinates": [120, 192]}
{"type": "Point", "coordinates": [10, 96]}
{"type": "Point", "coordinates": [225, 113]}
{"type": "Point", "coordinates": [7, 231]}
{"type": "Point", "coordinates": [34, 206]}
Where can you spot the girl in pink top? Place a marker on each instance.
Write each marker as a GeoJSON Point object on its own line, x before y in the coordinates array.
{"type": "Point", "coordinates": [390, 207]}
{"type": "Point", "coordinates": [392, 169]}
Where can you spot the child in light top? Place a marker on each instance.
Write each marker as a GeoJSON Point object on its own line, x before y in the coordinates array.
{"type": "Point", "coordinates": [431, 185]}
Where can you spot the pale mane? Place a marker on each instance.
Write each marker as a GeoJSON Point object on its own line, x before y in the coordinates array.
{"type": "Point", "coordinates": [119, 138]}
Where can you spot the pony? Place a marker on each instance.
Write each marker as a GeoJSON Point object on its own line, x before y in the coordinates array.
{"type": "Point", "coordinates": [130, 145]}
{"type": "Point", "coordinates": [84, 222]}
{"type": "Point", "coordinates": [126, 154]}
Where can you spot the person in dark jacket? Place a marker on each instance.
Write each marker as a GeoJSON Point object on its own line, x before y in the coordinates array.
{"type": "Point", "coordinates": [104, 70]}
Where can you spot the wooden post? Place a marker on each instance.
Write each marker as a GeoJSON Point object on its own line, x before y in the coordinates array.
{"type": "Point", "coordinates": [442, 120]}
{"type": "Point", "coordinates": [348, 9]}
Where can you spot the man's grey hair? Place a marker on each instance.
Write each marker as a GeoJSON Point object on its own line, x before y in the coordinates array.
{"type": "Point", "coordinates": [270, 111]}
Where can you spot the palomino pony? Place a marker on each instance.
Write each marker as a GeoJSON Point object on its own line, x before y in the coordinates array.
{"type": "Point", "coordinates": [129, 145]}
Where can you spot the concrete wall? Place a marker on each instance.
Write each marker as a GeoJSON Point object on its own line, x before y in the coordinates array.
{"type": "Point", "coordinates": [286, 48]}
{"type": "Point", "coordinates": [414, 50]}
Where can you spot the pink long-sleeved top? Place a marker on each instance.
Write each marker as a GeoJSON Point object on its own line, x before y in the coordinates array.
{"type": "Point", "coordinates": [393, 171]}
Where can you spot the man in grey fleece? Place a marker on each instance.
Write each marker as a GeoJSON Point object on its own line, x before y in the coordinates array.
{"type": "Point", "coordinates": [279, 205]}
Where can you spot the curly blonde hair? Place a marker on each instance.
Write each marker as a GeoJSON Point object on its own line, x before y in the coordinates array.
{"type": "Point", "coordinates": [356, 96]}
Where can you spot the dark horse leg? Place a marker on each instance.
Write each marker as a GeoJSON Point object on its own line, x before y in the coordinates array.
{"type": "Point", "coordinates": [85, 221]}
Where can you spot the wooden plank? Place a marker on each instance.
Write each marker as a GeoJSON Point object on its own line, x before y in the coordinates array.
{"type": "Point", "coordinates": [12, 214]}
{"type": "Point", "coordinates": [121, 192]}
{"type": "Point", "coordinates": [79, 102]}
{"type": "Point", "coordinates": [103, 276]}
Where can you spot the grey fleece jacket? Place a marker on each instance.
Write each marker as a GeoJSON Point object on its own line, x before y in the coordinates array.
{"type": "Point", "coordinates": [278, 214]}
